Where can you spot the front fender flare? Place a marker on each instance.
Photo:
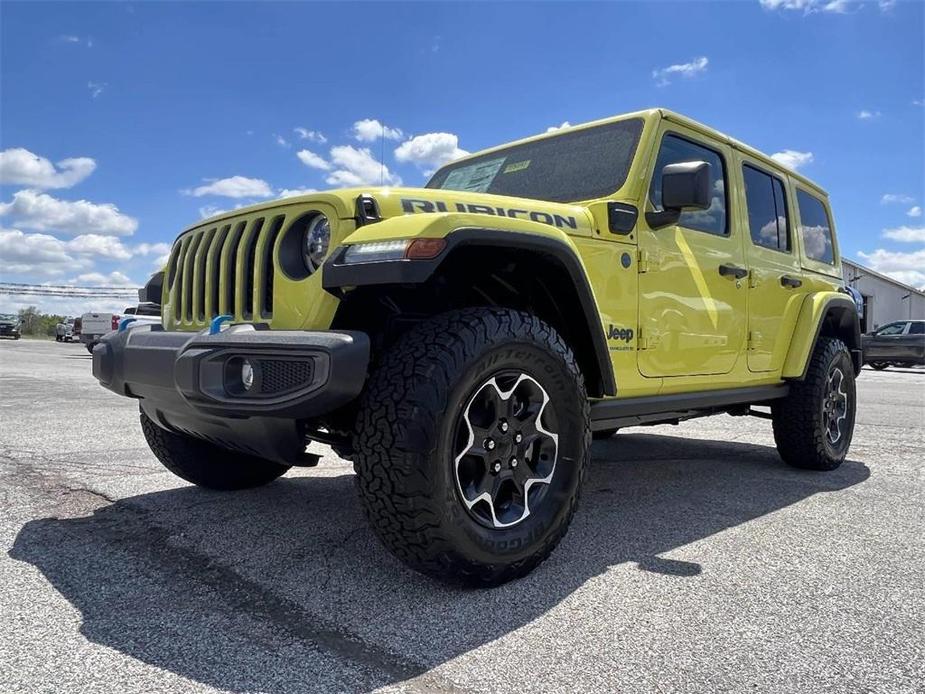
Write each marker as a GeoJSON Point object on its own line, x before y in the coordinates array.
{"type": "Point", "coordinates": [544, 240]}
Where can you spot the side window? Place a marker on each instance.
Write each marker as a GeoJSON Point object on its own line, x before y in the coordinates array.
{"type": "Point", "coordinates": [767, 210]}
{"type": "Point", "coordinates": [917, 328]}
{"type": "Point", "coordinates": [676, 149]}
{"type": "Point", "coordinates": [815, 228]}
{"type": "Point", "coordinates": [892, 329]}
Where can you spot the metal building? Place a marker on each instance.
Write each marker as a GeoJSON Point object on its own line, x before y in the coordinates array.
{"type": "Point", "coordinates": [885, 299]}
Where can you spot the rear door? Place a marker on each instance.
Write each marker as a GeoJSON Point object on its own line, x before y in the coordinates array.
{"type": "Point", "coordinates": [774, 281]}
{"type": "Point", "coordinates": [691, 284]}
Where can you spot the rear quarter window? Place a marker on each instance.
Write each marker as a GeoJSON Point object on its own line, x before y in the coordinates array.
{"type": "Point", "coordinates": [815, 228]}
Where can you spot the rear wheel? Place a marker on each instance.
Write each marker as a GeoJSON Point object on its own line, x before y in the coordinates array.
{"type": "Point", "coordinates": [471, 444]}
{"type": "Point", "coordinates": [879, 365]}
{"type": "Point", "coordinates": [814, 424]}
{"type": "Point", "coordinates": [205, 464]}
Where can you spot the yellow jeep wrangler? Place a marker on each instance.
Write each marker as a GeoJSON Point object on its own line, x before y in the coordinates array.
{"type": "Point", "coordinates": [462, 343]}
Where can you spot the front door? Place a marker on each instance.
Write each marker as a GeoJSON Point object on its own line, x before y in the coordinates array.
{"type": "Point", "coordinates": [775, 286]}
{"type": "Point", "coordinates": [692, 282]}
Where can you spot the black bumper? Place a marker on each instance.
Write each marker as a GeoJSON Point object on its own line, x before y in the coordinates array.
{"type": "Point", "coordinates": [192, 383]}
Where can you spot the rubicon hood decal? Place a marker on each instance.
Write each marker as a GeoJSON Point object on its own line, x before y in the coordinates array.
{"type": "Point", "coordinates": [414, 205]}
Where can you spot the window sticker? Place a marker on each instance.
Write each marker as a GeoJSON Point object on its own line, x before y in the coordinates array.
{"type": "Point", "coordinates": [475, 178]}
{"type": "Point", "coordinates": [516, 166]}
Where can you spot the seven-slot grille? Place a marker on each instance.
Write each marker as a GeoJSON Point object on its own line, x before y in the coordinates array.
{"type": "Point", "coordinates": [224, 269]}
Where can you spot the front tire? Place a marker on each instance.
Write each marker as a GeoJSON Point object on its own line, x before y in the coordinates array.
{"type": "Point", "coordinates": [471, 445]}
{"type": "Point", "coordinates": [814, 424]}
{"type": "Point", "coordinates": [205, 464]}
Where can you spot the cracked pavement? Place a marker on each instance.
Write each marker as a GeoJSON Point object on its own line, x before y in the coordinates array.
{"type": "Point", "coordinates": [697, 562]}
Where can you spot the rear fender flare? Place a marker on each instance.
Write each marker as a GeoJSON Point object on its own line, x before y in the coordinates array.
{"type": "Point", "coordinates": [831, 312]}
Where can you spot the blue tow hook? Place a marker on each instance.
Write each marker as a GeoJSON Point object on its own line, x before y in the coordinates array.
{"type": "Point", "coordinates": [123, 324]}
{"type": "Point", "coordinates": [215, 326]}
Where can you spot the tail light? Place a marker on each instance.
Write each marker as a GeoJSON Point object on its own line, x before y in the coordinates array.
{"type": "Point", "coordinates": [115, 322]}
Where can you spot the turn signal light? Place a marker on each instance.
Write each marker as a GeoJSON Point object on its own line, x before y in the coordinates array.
{"type": "Point", "coordinates": [425, 249]}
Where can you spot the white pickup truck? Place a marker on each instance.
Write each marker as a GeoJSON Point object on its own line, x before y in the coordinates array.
{"type": "Point", "coordinates": [95, 325]}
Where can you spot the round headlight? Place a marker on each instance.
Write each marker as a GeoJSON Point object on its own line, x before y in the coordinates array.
{"type": "Point", "coordinates": [317, 241]}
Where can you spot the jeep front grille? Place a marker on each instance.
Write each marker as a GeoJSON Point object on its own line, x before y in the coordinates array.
{"type": "Point", "coordinates": [226, 268]}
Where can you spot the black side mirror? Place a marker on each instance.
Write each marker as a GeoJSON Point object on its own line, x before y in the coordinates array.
{"type": "Point", "coordinates": [685, 186]}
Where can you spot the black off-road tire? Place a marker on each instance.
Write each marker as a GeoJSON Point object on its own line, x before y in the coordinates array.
{"type": "Point", "coordinates": [799, 420]}
{"type": "Point", "coordinates": [205, 464]}
{"type": "Point", "coordinates": [604, 434]}
{"type": "Point", "coordinates": [407, 438]}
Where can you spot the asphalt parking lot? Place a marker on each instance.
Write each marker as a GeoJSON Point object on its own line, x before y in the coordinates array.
{"type": "Point", "coordinates": [697, 562]}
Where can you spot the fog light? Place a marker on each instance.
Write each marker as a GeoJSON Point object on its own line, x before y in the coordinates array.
{"type": "Point", "coordinates": [247, 374]}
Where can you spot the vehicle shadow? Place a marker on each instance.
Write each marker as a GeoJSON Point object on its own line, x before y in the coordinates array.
{"type": "Point", "coordinates": [228, 589]}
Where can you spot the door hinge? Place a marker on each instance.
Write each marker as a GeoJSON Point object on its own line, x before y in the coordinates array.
{"type": "Point", "coordinates": [753, 279]}
{"type": "Point", "coordinates": [753, 339]}
{"type": "Point", "coordinates": [648, 261]}
{"type": "Point", "coordinates": [642, 341]}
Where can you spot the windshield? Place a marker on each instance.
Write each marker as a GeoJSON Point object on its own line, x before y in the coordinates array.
{"type": "Point", "coordinates": [574, 165]}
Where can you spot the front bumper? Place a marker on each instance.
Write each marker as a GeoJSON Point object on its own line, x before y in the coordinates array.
{"type": "Point", "coordinates": [192, 382]}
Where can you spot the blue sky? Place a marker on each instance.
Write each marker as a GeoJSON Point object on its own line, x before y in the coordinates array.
{"type": "Point", "coordinates": [121, 123]}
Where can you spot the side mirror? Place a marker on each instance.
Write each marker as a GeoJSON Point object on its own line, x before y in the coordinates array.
{"type": "Point", "coordinates": [685, 186]}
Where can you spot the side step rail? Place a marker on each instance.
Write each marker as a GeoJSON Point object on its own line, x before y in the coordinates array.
{"type": "Point", "coordinates": [655, 409]}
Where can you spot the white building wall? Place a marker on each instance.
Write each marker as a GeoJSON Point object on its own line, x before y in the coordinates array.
{"type": "Point", "coordinates": [886, 300]}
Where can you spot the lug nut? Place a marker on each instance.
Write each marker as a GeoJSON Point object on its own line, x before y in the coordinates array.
{"type": "Point", "coordinates": [489, 444]}
{"type": "Point", "coordinates": [503, 426]}
{"type": "Point", "coordinates": [496, 467]}
{"type": "Point", "coordinates": [518, 437]}
{"type": "Point", "coordinates": [513, 462]}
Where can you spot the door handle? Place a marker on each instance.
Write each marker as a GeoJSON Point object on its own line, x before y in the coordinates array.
{"type": "Point", "coordinates": [732, 271]}
{"type": "Point", "coordinates": [790, 282]}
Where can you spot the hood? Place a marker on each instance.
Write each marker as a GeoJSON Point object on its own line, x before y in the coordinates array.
{"type": "Point", "coordinates": [394, 202]}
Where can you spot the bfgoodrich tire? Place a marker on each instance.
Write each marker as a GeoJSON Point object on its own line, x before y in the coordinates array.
{"type": "Point", "coordinates": [206, 465]}
{"type": "Point", "coordinates": [471, 445]}
{"type": "Point", "coordinates": [814, 424]}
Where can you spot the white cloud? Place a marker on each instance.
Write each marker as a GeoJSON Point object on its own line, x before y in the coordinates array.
{"type": "Point", "coordinates": [19, 166]}
{"type": "Point", "coordinates": [98, 279]}
{"type": "Point", "coordinates": [96, 88]}
{"type": "Point", "coordinates": [233, 187]}
{"type": "Point", "coordinates": [101, 246]}
{"type": "Point", "coordinates": [358, 167]}
{"type": "Point", "coordinates": [210, 211]}
{"type": "Point", "coordinates": [292, 192]}
{"type": "Point", "coordinates": [694, 67]}
{"type": "Point", "coordinates": [310, 135]}
{"type": "Point", "coordinates": [864, 114]}
{"type": "Point", "coordinates": [808, 6]}
{"type": "Point", "coordinates": [918, 102]}
{"type": "Point", "coordinates": [72, 38]}
{"type": "Point", "coordinates": [898, 198]}
{"type": "Point", "coordinates": [41, 212]}
{"type": "Point", "coordinates": [906, 234]}
{"type": "Point", "coordinates": [370, 130]}
{"type": "Point", "coordinates": [915, 211]}
{"type": "Point", "coordinates": [886, 5]}
{"type": "Point", "coordinates": [42, 254]}
{"type": "Point", "coordinates": [907, 267]}
{"type": "Point", "coordinates": [38, 254]}
{"type": "Point", "coordinates": [792, 158]}
{"type": "Point", "coordinates": [430, 151]}
{"type": "Point", "coordinates": [280, 140]}
{"type": "Point", "coordinates": [315, 161]}
{"type": "Point", "coordinates": [553, 128]}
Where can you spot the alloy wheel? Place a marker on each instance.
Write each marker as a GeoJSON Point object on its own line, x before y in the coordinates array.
{"type": "Point", "coordinates": [506, 449]}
